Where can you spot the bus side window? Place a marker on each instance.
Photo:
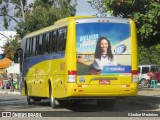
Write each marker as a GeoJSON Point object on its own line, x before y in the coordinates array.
{"type": "Point", "coordinates": [27, 48]}
{"type": "Point", "coordinates": [34, 46]}
{"type": "Point", "coordinates": [47, 49]}
{"type": "Point", "coordinates": [64, 39]}
{"type": "Point", "coordinates": [50, 42]}
{"type": "Point", "coordinates": [25, 51]}
{"type": "Point", "coordinates": [31, 47]}
{"type": "Point", "coordinates": [44, 43]}
{"type": "Point", "coordinates": [40, 49]}
{"type": "Point", "coordinates": [54, 41]}
{"type": "Point", "coordinates": [60, 39]}
{"type": "Point", "coordinates": [37, 46]}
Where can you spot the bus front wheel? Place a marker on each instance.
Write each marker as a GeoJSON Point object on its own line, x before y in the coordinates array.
{"type": "Point", "coordinates": [53, 100]}
{"type": "Point", "coordinates": [29, 100]}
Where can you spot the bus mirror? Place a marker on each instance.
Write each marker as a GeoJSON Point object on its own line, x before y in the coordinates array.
{"type": "Point", "coordinates": [16, 58]}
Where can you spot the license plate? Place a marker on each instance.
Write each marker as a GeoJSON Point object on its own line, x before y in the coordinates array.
{"type": "Point", "coordinates": [104, 81]}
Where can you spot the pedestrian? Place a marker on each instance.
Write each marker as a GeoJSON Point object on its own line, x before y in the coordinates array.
{"type": "Point", "coordinates": [152, 76]}
{"type": "Point", "coordinates": [10, 79]}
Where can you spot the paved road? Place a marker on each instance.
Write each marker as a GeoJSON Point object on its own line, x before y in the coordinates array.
{"type": "Point", "coordinates": [13, 102]}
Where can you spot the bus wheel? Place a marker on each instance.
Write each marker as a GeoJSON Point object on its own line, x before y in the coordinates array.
{"type": "Point", "coordinates": [29, 100]}
{"type": "Point", "coordinates": [109, 103]}
{"type": "Point", "coordinates": [36, 99]}
{"type": "Point", "coordinates": [53, 100]}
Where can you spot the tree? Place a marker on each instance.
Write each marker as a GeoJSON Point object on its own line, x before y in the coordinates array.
{"type": "Point", "coordinates": [43, 14]}
{"type": "Point", "coordinates": [146, 13]}
{"type": "Point", "coordinates": [149, 55]}
{"type": "Point", "coordinates": [10, 48]}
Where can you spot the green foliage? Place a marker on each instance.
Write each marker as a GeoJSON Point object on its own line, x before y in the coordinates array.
{"type": "Point", "coordinates": [10, 48]}
{"type": "Point", "coordinates": [149, 55]}
{"type": "Point", "coordinates": [146, 13]}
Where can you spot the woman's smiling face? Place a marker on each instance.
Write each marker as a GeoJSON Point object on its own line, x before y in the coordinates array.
{"type": "Point", "coordinates": [104, 45]}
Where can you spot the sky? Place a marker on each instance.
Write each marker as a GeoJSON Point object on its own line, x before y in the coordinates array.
{"type": "Point", "coordinates": [84, 8]}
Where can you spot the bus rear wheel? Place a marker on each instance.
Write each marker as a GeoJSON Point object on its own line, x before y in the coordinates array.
{"type": "Point", "coordinates": [36, 99]}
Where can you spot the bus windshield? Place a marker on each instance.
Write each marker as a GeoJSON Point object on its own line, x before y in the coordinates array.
{"type": "Point", "coordinates": [103, 48]}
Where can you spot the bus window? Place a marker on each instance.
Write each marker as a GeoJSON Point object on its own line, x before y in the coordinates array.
{"type": "Point", "coordinates": [27, 48]}
{"type": "Point", "coordinates": [37, 45]}
{"type": "Point", "coordinates": [34, 46]}
{"type": "Point", "coordinates": [50, 42]}
{"type": "Point", "coordinates": [47, 43]}
{"type": "Point", "coordinates": [64, 39]}
{"type": "Point", "coordinates": [53, 41]}
{"type": "Point", "coordinates": [40, 49]}
{"type": "Point", "coordinates": [60, 40]}
{"type": "Point", "coordinates": [31, 47]}
{"type": "Point", "coordinates": [44, 43]}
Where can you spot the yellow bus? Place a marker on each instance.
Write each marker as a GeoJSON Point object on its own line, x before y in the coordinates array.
{"type": "Point", "coordinates": [80, 58]}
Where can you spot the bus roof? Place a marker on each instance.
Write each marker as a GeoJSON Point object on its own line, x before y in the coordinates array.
{"type": "Point", "coordinates": [64, 21]}
{"type": "Point", "coordinates": [71, 18]}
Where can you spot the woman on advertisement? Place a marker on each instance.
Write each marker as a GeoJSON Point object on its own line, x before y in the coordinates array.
{"type": "Point", "coordinates": [103, 56]}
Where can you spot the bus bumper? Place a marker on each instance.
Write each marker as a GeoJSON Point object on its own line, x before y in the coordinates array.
{"type": "Point", "coordinates": [74, 90]}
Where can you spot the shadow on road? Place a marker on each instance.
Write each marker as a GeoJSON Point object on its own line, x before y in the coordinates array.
{"type": "Point", "coordinates": [138, 103]}
{"type": "Point", "coordinates": [122, 105]}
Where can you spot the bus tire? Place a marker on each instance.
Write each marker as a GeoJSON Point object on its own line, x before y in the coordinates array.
{"type": "Point", "coordinates": [52, 100]}
{"type": "Point", "coordinates": [109, 103]}
{"type": "Point", "coordinates": [36, 99]}
{"type": "Point", "coordinates": [29, 100]}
